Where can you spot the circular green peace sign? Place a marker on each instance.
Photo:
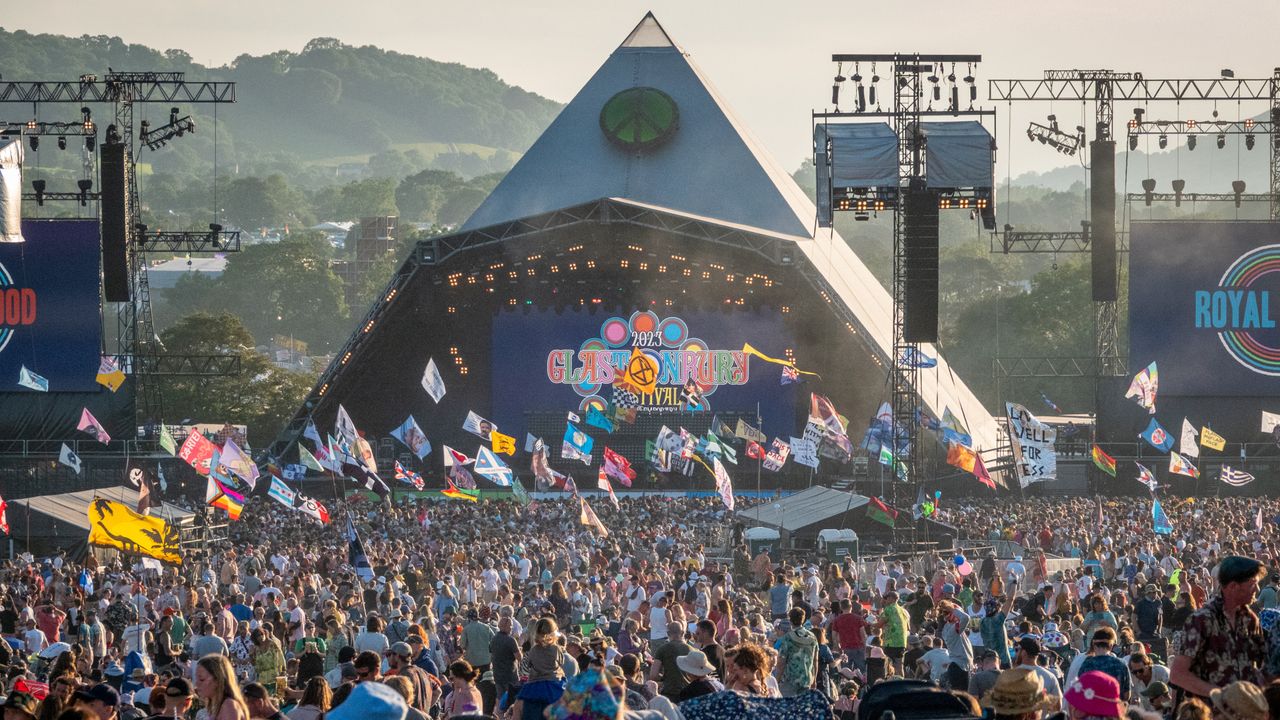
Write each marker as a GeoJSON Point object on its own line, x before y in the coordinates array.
{"type": "Point", "coordinates": [639, 118]}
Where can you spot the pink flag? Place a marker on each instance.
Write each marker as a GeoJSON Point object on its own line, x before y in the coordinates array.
{"type": "Point", "coordinates": [90, 425]}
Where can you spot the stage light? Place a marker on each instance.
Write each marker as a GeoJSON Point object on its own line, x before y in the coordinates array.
{"type": "Point", "coordinates": [1237, 187]}
{"type": "Point", "coordinates": [62, 142]}
{"type": "Point", "coordinates": [1133, 142]}
{"type": "Point", "coordinates": [1228, 73]}
{"type": "Point", "coordinates": [1148, 188]}
{"type": "Point", "coordinates": [1178, 187]}
{"type": "Point", "coordinates": [1191, 142]}
{"type": "Point", "coordinates": [1248, 141]}
{"type": "Point", "coordinates": [39, 186]}
{"type": "Point", "coordinates": [1222, 141]}
{"type": "Point", "coordinates": [35, 142]}
{"type": "Point", "coordinates": [1163, 141]}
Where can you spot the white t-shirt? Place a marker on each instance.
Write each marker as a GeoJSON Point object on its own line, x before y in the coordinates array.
{"type": "Point", "coordinates": [635, 596]}
{"type": "Point", "coordinates": [525, 566]}
{"type": "Point", "coordinates": [298, 616]}
{"type": "Point", "coordinates": [135, 638]}
{"type": "Point", "coordinates": [490, 578]}
{"type": "Point", "coordinates": [658, 623]}
{"type": "Point", "coordinates": [35, 640]}
{"type": "Point", "coordinates": [1084, 586]}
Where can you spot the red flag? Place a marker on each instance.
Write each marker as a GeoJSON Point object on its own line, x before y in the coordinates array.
{"type": "Point", "coordinates": [617, 466]}
{"type": "Point", "coordinates": [4, 517]}
{"type": "Point", "coordinates": [980, 472]}
{"type": "Point", "coordinates": [197, 450]}
{"type": "Point", "coordinates": [754, 450]}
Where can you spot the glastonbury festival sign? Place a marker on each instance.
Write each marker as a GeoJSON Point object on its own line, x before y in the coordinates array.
{"type": "Point", "coordinates": [1033, 451]}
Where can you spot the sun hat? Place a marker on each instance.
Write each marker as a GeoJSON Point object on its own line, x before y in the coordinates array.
{"type": "Point", "coordinates": [1096, 694]}
{"type": "Point", "coordinates": [1241, 700]}
{"type": "Point", "coordinates": [695, 663]}
{"type": "Point", "coordinates": [1016, 692]}
{"type": "Point", "coordinates": [586, 697]}
{"type": "Point", "coordinates": [370, 701]}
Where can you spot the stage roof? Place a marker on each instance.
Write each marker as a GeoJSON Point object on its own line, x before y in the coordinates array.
{"type": "Point", "coordinates": [803, 509]}
{"type": "Point", "coordinates": [73, 508]}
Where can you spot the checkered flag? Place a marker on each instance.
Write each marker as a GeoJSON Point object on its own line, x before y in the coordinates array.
{"type": "Point", "coordinates": [625, 398]}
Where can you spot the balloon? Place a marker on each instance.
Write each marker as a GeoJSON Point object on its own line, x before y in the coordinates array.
{"type": "Point", "coordinates": [959, 560]}
{"type": "Point", "coordinates": [965, 569]}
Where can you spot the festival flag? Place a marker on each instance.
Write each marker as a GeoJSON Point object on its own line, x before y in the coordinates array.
{"type": "Point", "coordinates": [570, 486]}
{"type": "Point", "coordinates": [1212, 440]}
{"type": "Point", "coordinates": [69, 458]}
{"type": "Point", "coordinates": [345, 427]}
{"type": "Point", "coordinates": [1160, 524]}
{"type": "Point", "coordinates": [109, 373]}
{"type": "Point", "coordinates": [1143, 388]}
{"type": "Point", "coordinates": [356, 470]}
{"type": "Point", "coordinates": [531, 442]}
{"type": "Point", "coordinates": [949, 420]}
{"type": "Point", "coordinates": [724, 485]}
{"type": "Point", "coordinates": [805, 452]}
{"type": "Point", "coordinates": [1146, 477]}
{"type": "Point", "coordinates": [587, 517]}
{"type": "Point", "coordinates": [597, 419]}
{"type": "Point", "coordinates": [616, 466]}
{"type": "Point", "coordinates": [1235, 478]}
{"type": "Point", "coordinates": [640, 375]}
{"type": "Point", "coordinates": [755, 451]}
{"type": "Point", "coordinates": [148, 496]}
{"type": "Point", "coordinates": [776, 458]}
{"type": "Point", "coordinates": [1181, 466]}
{"type": "Point", "coordinates": [412, 437]}
{"type": "Point", "coordinates": [1050, 404]}
{"type": "Point", "coordinates": [488, 465]}
{"type": "Point", "coordinates": [519, 493]}
{"type": "Point", "coordinates": [620, 414]}
{"type": "Point", "coordinates": [913, 358]}
{"type": "Point", "coordinates": [1270, 421]}
{"type": "Point", "coordinates": [1156, 436]}
{"type": "Point", "coordinates": [1257, 520]}
{"type": "Point", "coordinates": [28, 379]}
{"type": "Point", "coordinates": [432, 382]}
{"type": "Point", "coordinates": [1189, 445]}
{"type": "Point", "coordinates": [573, 417]}
{"type": "Point", "coordinates": [454, 458]}
{"type": "Point", "coordinates": [112, 524]}
{"type": "Point", "coordinates": [223, 498]}
{"type": "Point", "coordinates": [166, 440]}
{"type": "Point", "coordinates": [878, 511]}
{"type": "Point", "coordinates": [746, 348]}
{"type": "Point", "coordinates": [1105, 462]}
{"type": "Point", "coordinates": [478, 426]}
{"type": "Point", "coordinates": [577, 445]}
{"type": "Point", "coordinates": [957, 456]}
{"type": "Point", "coordinates": [746, 431]}
{"type": "Point", "coordinates": [1100, 519]}
{"type": "Point", "coordinates": [538, 465]}
{"type": "Point", "coordinates": [310, 431]}
{"type": "Point", "coordinates": [452, 491]}
{"type": "Point", "coordinates": [90, 425]}
{"type": "Point", "coordinates": [409, 476]}
{"type": "Point", "coordinates": [307, 460]}
{"type": "Point", "coordinates": [602, 482]}
{"type": "Point", "coordinates": [282, 493]}
{"type": "Point", "coordinates": [356, 556]}
{"type": "Point", "coordinates": [239, 463]}
{"type": "Point", "coordinates": [4, 516]}
{"type": "Point", "coordinates": [821, 408]}
{"type": "Point", "coordinates": [719, 427]}
{"type": "Point", "coordinates": [790, 376]}
{"type": "Point", "coordinates": [462, 477]}
{"type": "Point", "coordinates": [365, 452]}
{"type": "Point", "coordinates": [313, 509]}
{"type": "Point", "coordinates": [722, 449]}
{"type": "Point", "coordinates": [923, 507]}
{"type": "Point", "coordinates": [980, 472]}
{"type": "Point", "coordinates": [503, 443]}
{"type": "Point", "coordinates": [197, 450]}
{"type": "Point", "coordinates": [691, 396]}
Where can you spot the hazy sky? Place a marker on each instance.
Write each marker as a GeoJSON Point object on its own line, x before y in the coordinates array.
{"type": "Point", "coordinates": [770, 60]}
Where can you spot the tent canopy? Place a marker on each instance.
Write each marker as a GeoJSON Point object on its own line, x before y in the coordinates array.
{"type": "Point", "coordinates": [814, 506]}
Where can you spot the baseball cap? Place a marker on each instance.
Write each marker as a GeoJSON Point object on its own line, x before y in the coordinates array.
{"type": "Point", "coordinates": [178, 688]}
{"type": "Point", "coordinates": [402, 649]}
{"type": "Point", "coordinates": [1029, 645]}
{"type": "Point", "coordinates": [101, 691]}
{"type": "Point", "coordinates": [1155, 690]}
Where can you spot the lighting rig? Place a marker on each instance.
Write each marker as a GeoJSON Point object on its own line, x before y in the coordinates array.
{"type": "Point", "coordinates": [1054, 137]}
{"type": "Point", "coordinates": [155, 138]}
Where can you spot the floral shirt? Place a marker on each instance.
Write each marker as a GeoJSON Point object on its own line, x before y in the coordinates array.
{"type": "Point", "coordinates": [1220, 652]}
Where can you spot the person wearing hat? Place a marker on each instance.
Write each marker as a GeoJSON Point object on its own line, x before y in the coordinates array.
{"type": "Point", "coordinates": [1017, 694]}
{"type": "Point", "coordinates": [1157, 698]}
{"type": "Point", "coordinates": [697, 670]}
{"type": "Point", "coordinates": [19, 706]}
{"type": "Point", "coordinates": [1026, 656]}
{"type": "Point", "coordinates": [175, 700]}
{"type": "Point", "coordinates": [1223, 641]}
{"type": "Point", "coordinates": [1094, 695]}
{"type": "Point", "coordinates": [370, 701]}
{"type": "Point", "coordinates": [400, 662]}
{"type": "Point", "coordinates": [1239, 700]}
{"type": "Point", "coordinates": [1144, 670]}
{"type": "Point", "coordinates": [1148, 613]}
{"type": "Point", "coordinates": [101, 700]}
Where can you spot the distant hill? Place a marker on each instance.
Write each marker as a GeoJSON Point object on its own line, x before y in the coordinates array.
{"type": "Point", "coordinates": [328, 102]}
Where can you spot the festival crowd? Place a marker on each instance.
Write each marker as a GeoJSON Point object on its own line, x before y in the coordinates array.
{"type": "Point", "coordinates": [496, 609]}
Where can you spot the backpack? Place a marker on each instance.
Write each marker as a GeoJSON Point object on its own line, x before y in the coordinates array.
{"type": "Point", "coordinates": [799, 668]}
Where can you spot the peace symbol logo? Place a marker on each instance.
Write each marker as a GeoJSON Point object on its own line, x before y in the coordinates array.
{"type": "Point", "coordinates": [1157, 436]}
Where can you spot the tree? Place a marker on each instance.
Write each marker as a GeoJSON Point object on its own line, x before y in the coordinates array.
{"type": "Point", "coordinates": [420, 196]}
{"type": "Point", "coordinates": [254, 202]}
{"type": "Point", "coordinates": [460, 204]}
{"type": "Point", "coordinates": [362, 198]}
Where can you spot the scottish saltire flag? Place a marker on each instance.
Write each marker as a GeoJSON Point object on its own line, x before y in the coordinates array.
{"type": "Point", "coordinates": [1146, 477]}
{"type": "Point", "coordinates": [1160, 524]}
{"type": "Point", "coordinates": [409, 476]}
{"type": "Point", "coordinates": [413, 438]}
{"type": "Point", "coordinates": [69, 458]}
{"type": "Point", "coordinates": [577, 444]}
{"type": "Point", "coordinates": [597, 419]}
{"type": "Point", "coordinates": [1235, 478]}
{"type": "Point", "coordinates": [1143, 388]}
{"type": "Point", "coordinates": [1181, 466]}
{"type": "Point", "coordinates": [912, 357]}
{"type": "Point", "coordinates": [28, 379]}
{"type": "Point", "coordinates": [282, 493]}
{"type": "Point", "coordinates": [90, 425]}
{"type": "Point", "coordinates": [1157, 436]}
{"type": "Point", "coordinates": [488, 465]}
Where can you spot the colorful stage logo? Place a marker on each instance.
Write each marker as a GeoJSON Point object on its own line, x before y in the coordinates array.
{"type": "Point", "coordinates": [1240, 312]}
{"type": "Point", "coordinates": [679, 359]}
{"type": "Point", "coordinates": [17, 306]}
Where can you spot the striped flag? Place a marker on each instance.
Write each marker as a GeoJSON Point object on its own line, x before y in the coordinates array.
{"type": "Point", "coordinates": [1235, 478]}
{"type": "Point", "coordinates": [878, 511]}
{"type": "Point", "coordinates": [282, 493]}
{"type": "Point", "coordinates": [1105, 462]}
{"type": "Point", "coordinates": [224, 498]}
{"type": "Point", "coordinates": [452, 491]}
{"type": "Point", "coordinates": [356, 554]}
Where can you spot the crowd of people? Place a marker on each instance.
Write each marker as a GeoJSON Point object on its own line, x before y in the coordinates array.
{"type": "Point", "coordinates": [498, 609]}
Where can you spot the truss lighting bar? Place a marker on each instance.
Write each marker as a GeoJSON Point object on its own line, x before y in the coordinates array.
{"type": "Point", "coordinates": [1129, 86]}
{"type": "Point", "coordinates": [60, 196]}
{"type": "Point", "coordinates": [156, 138]}
{"type": "Point", "coordinates": [1201, 197]}
{"type": "Point", "coordinates": [190, 241]}
{"type": "Point", "coordinates": [1050, 135]}
{"type": "Point", "coordinates": [132, 87]}
{"type": "Point", "coordinates": [48, 128]}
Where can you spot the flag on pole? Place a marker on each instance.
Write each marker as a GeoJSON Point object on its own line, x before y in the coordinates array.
{"type": "Point", "coordinates": [148, 496]}
{"type": "Point", "coordinates": [777, 456]}
{"type": "Point", "coordinates": [577, 445]}
{"type": "Point", "coordinates": [1181, 466]}
{"type": "Point", "coordinates": [502, 443]}
{"type": "Point", "coordinates": [790, 376]}
{"type": "Point", "coordinates": [166, 440]}
{"type": "Point", "coordinates": [980, 472]}
{"type": "Point", "coordinates": [454, 458]}
{"type": "Point", "coordinates": [356, 555]}
{"type": "Point", "coordinates": [109, 373]}
{"type": "Point", "coordinates": [409, 476]}
{"type": "Point", "coordinates": [1212, 440]}
{"type": "Point", "coordinates": [755, 451]}
{"type": "Point", "coordinates": [488, 465]}
{"type": "Point", "coordinates": [432, 382]}
{"type": "Point", "coordinates": [462, 477]}
{"type": "Point", "coordinates": [603, 483]}
{"type": "Point", "coordinates": [28, 379]}
{"type": "Point", "coordinates": [90, 425]}
{"type": "Point", "coordinates": [69, 458]}
{"type": "Point", "coordinates": [619, 414]}
{"type": "Point", "coordinates": [913, 358]}
{"type": "Point", "coordinates": [306, 459]}
{"type": "Point", "coordinates": [4, 517]}
{"type": "Point", "coordinates": [1050, 404]}
{"type": "Point", "coordinates": [886, 455]}
{"type": "Point", "coordinates": [614, 465]}
{"type": "Point", "coordinates": [1235, 478]}
{"type": "Point", "coordinates": [957, 456]}
{"type": "Point", "coordinates": [239, 463]}
{"type": "Point", "coordinates": [746, 348]}
{"type": "Point", "coordinates": [412, 437]}
{"type": "Point", "coordinates": [1160, 524]}
{"type": "Point", "coordinates": [223, 498]}
{"type": "Point", "coordinates": [452, 491]}
{"type": "Point", "coordinates": [1270, 421]}
{"type": "Point", "coordinates": [345, 427]}
{"type": "Point", "coordinates": [1100, 518]}
{"type": "Point", "coordinates": [312, 508]}
{"type": "Point", "coordinates": [746, 431]}
{"type": "Point", "coordinates": [1257, 520]}
{"type": "Point", "coordinates": [878, 511]}
{"type": "Point", "coordinates": [724, 485]}
{"type": "Point", "coordinates": [1157, 437]}
{"type": "Point", "coordinates": [1143, 388]}
{"type": "Point", "coordinates": [1146, 477]}
{"type": "Point", "coordinates": [1189, 445]}
{"type": "Point", "coordinates": [197, 451]}
{"type": "Point", "coordinates": [282, 493]}
{"type": "Point", "coordinates": [587, 517]}
{"type": "Point", "coordinates": [519, 493]}
{"type": "Point", "coordinates": [311, 432]}
{"type": "Point", "coordinates": [1105, 462]}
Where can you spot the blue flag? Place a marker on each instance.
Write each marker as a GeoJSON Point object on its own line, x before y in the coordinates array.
{"type": "Point", "coordinates": [912, 357]}
{"type": "Point", "coordinates": [1157, 437]}
{"type": "Point", "coordinates": [413, 438]}
{"type": "Point", "coordinates": [1160, 524]}
{"type": "Point", "coordinates": [1050, 403]}
{"type": "Point", "coordinates": [578, 440]}
{"type": "Point", "coordinates": [489, 466]}
{"type": "Point", "coordinates": [597, 419]}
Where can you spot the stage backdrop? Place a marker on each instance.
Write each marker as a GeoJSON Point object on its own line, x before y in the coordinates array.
{"type": "Point", "coordinates": [545, 361]}
{"type": "Point", "coordinates": [1204, 301]}
{"type": "Point", "coordinates": [50, 318]}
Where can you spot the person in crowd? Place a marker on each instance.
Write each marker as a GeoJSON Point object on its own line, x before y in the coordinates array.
{"type": "Point", "coordinates": [464, 698]}
{"type": "Point", "coordinates": [314, 702]}
{"type": "Point", "coordinates": [218, 689]}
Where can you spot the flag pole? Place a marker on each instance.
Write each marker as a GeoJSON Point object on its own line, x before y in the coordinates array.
{"type": "Point", "coordinates": [759, 460]}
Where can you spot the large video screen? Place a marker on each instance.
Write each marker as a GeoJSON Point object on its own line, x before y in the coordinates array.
{"type": "Point", "coordinates": [50, 318]}
{"type": "Point", "coordinates": [1204, 300]}
{"type": "Point", "coordinates": [543, 361]}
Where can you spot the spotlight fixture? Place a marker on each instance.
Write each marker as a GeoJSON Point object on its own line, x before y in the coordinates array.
{"type": "Point", "coordinates": [1178, 187]}
{"type": "Point", "coordinates": [1163, 141]}
{"type": "Point", "coordinates": [89, 142]}
{"type": "Point", "coordinates": [1133, 142]}
{"type": "Point", "coordinates": [1148, 188]}
{"type": "Point", "coordinates": [39, 186]}
{"type": "Point", "coordinates": [1050, 135]}
{"type": "Point", "coordinates": [1191, 142]}
{"type": "Point", "coordinates": [1222, 141]}
{"type": "Point", "coordinates": [1228, 73]}
{"type": "Point", "coordinates": [62, 142]}
{"type": "Point", "coordinates": [1248, 141]}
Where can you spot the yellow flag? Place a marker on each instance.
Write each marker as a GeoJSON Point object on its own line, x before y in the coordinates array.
{"type": "Point", "coordinates": [502, 443]}
{"type": "Point", "coordinates": [1212, 440]}
{"type": "Point", "coordinates": [746, 348]}
{"type": "Point", "coordinates": [641, 373]}
{"type": "Point", "coordinates": [112, 524]}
